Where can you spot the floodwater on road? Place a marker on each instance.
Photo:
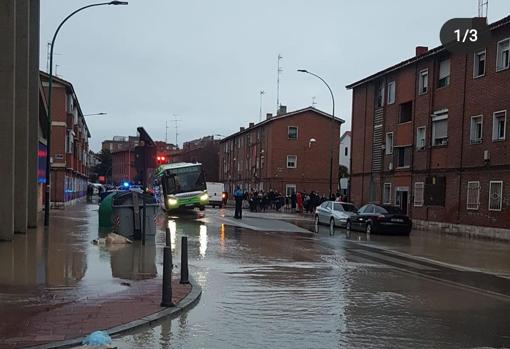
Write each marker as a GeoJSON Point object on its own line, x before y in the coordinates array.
{"type": "Point", "coordinates": [299, 290]}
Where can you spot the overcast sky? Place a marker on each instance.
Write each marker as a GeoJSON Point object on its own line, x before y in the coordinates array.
{"type": "Point", "coordinates": [205, 61]}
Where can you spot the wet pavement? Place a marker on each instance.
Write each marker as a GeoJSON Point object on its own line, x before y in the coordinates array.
{"type": "Point", "coordinates": [56, 285]}
{"type": "Point", "coordinates": [304, 290]}
{"type": "Point", "coordinates": [268, 280]}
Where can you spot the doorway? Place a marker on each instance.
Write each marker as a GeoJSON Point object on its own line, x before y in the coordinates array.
{"type": "Point", "coordinates": [401, 198]}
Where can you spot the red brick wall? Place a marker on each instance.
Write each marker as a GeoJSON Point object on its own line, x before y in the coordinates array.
{"type": "Point", "coordinates": [312, 172]}
{"type": "Point", "coordinates": [459, 161]}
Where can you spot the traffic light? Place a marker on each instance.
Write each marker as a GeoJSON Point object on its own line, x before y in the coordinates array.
{"type": "Point", "coordinates": [161, 159]}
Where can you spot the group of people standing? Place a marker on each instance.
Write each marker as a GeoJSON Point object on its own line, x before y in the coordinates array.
{"type": "Point", "coordinates": [260, 201]}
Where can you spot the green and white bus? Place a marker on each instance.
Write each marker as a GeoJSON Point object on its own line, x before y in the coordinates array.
{"type": "Point", "coordinates": [181, 185]}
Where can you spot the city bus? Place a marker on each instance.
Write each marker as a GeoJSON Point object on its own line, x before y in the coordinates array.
{"type": "Point", "coordinates": [181, 185]}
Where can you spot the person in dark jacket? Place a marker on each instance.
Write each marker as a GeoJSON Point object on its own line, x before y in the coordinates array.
{"type": "Point", "coordinates": [293, 201]}
{"type": "Point", "coordinates": [238, 196]}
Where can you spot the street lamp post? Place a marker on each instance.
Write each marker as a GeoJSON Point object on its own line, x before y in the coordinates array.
{"type": "Point", "coordinates": [50, 92]}
{"type": "Point", "coordinates": [95, 114]}
{"type": "Point", "coordinates": [332, 129]}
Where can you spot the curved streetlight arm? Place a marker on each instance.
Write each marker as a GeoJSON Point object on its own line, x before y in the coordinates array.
{"type": "Point", "coordinates": [50, 92]}
{"type": "Point", "coordinates": [332, 128]}
{"type": "Point", "coordinates": [325, 83]}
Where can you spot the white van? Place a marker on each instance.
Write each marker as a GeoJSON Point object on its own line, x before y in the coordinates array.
{"type": "Point", "coordinates": [215, 190]}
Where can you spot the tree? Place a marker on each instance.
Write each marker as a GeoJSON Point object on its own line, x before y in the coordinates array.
{"type": "Point", "coordinates": [343, 171]}
{"type": "Point", "coordinates": [104, 168]}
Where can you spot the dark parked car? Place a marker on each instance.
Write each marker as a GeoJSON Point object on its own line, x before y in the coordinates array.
{"type": "Point", "coordinates": [374, 218]}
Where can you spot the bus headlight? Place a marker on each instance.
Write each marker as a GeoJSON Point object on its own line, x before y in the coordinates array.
{"type": "Point", "coordinates": [204, 197]}
{"type": "Point", "coordinates": [172, 201]}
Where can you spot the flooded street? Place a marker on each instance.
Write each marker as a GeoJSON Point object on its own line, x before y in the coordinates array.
{"type": "Point", "coordinates": [296, 290]}
{"type": "Point", "coordinates": [270, 282]}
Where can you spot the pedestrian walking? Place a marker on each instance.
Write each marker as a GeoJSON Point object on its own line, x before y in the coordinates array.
{"type": "Point", "coordinates": [238, 196]}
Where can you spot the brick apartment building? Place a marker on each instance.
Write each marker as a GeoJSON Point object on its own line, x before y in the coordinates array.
{"type": "Point", "coordinates": [69, 146]}
{"type": "Point", "coordinates": [123, 151]}
{"type": "Point", "coordinates": [431, 135]}
{"type": "Point", "coordinates": [204, 150]}
{"type": "Point", "coordinates": [287, 152]}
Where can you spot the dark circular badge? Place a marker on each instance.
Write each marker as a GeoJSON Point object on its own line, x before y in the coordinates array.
{"type": "Point", "coordinates": [465, 35]}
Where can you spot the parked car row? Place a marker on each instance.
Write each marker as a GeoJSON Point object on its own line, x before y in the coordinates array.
{"type": "Point", "coordinates": [371, 218]}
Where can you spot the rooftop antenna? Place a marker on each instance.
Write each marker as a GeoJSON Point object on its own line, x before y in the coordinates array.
{"type": "Point", "coordinates": [260, 108]}
{"type": "Point", "coordinates": [313, 101]}
{"type": "Point", "coordinates": [278, 72]}
{"type": "Point", "coordinates": [48, 56]}
{"type": "Point", "coordinates": [483, 8]}
{"type": "Point", "coordinates": [166, 131]}
{"type": "Point", "coordinates": [176, 129]}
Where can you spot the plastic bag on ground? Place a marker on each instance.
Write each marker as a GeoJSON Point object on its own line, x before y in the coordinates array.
{"type": "Point", "coordinates": [97, 338]}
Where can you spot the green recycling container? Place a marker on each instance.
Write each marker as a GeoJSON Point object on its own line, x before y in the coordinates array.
{"type": "Point", "coordinates": [106, 211]}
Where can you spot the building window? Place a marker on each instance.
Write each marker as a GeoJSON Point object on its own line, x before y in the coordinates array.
{"type": "Point", "coordinates": [499, 126]}
{"type": "Point", "coordinates": [292, 132]}
{"type": "Point", "coordinates": [495, 195]}
{"type": "Point", "coordinates": [290, 189]}
{"type": "Point", "coordinates": [291, 161]}
{"type": "Point", "coordinates": [423, 82]}
{"type": "Point", "coordinates": [435, 191]}
{"type": "Point", "coordinates": [440, 129]}
{"type": "Point", "coordinates": [420, 138]}
{"type": "Point", "coordinates": [479, 64]}
{"type": "Point", "coordinates": [403, 157]}
{"type": "Point", "coordinates": [406, 112]}
{"type": "Point", "coordinates": [418, 194]}
{"type": "Point", "coordinates": [473, 195]}
{"type": "Point", "coordinates": [391, 92]}
{"type": "Point", "coordinates": [346, 151]}
{"type": "Point", "coordinates": [503, 55]}
{"type": "Point", "coordinates": [444, 73]}
{"type": "Point", "coordinates": [389, 143]}
{"type": "Point", "coordinates": [476, 130]}
{"type": "Point", "coordinates": [387, 193]}
{"type": "Point", "coordinates": [379, 97]}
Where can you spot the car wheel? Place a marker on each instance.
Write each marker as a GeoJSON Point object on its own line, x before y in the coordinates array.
{"type": "Point", "coordinates": [317, 223]}
{"type": "Point", "coordinates": [348, 225]}
{"type": "Point", "coordinates": [368, 228]}
{"type": "Point", "coordinates": [332, 224]}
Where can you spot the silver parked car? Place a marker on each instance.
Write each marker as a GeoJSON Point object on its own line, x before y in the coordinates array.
{"type": "Point", "coordinates": [334, 213]}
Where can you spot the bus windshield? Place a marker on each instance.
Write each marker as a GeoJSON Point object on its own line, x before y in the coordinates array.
{"type": "Point", "coordinates": [183, 180]}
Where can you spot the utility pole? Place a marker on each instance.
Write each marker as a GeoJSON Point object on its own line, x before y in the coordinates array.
{"type": "Point", "coordinates": [260, 108]}
{"type": "Point", "coordinates": [176, 129]}
{"type": "Point", "coordinates": [166, 131]}
{"type": "Point", "coordinates": [278, 72]}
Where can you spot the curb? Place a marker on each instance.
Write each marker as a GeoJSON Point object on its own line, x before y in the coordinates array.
{"type": "Point", "coordinates": [187, 303]}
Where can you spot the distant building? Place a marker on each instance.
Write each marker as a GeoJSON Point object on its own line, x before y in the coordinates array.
{"type": "Point", "coordinates": [345, 161]}
{"type": "Point", "coordinates": [123, 166]}
{"type": "Point", "coordinates": [430, 134]}
{"type": "Point", "coordinates": [120, 143]}
{"type": "Point", "coordinates": [206, 151]}
{"type": "Point", "coordinates": [288, 152]}
{"type": "Point", "coordinates": [69, 146]}
{"type": "Point", "coordinates": [345, 150]}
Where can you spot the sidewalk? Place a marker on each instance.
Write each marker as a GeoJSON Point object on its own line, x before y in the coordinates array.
{"type": "Point", "coordinates": [43, 324]}
{"type": "Point", "coordinates": [56, 285]}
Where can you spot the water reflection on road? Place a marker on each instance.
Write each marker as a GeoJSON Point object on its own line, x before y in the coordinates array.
{"type": "Point", "coordinates": [289, 290]}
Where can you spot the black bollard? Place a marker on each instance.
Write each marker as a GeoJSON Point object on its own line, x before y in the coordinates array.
{"type": "Point", "coordinates": [168, 237]}
{"type": "Point", "coordinates": [166, 298]}
{"type": "Point", "coordinates": [184, 261]}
